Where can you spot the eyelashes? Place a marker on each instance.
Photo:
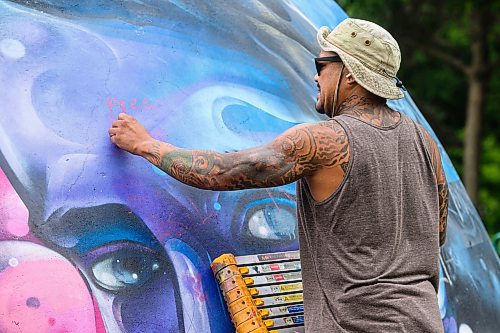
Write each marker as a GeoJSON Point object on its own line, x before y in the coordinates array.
{"type": "Point", "coordinates": [270, 219]}
{"type": "Point", "coordinates": [124, 267]}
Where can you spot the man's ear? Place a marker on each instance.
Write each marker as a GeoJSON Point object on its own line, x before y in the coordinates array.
{"type": "Point", "coordinates": [350, 79]}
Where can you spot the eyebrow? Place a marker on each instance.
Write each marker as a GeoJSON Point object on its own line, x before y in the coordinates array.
{"type": "Point", "coordinates": [103, 224]}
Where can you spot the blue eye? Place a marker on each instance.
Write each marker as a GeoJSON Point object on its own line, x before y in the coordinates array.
{"type": "Point", "coordinates": [272, 219]}
{"type": "Point", "coordinates": [125, 268]}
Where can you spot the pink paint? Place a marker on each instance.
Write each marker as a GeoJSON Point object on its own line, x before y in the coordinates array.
{"type": "Point", "coordinates": [133, 104]}
{"type": "Point", "coordinates": [110, 102]}
{"type": "Point", "coordinates": [168, 234]}
{"type": "Point", "coordinates": [272, 198]}
{"type": "Point", "coordinates": [45, 296]}
{"type": "Point", "coordinates": [13, 212]}
{"type": "Point", "coordinates": [122, 105]}
{"type": "Point", "coordinates": [197, 289]}
{"type": "Point", "coordinates": [18, 226]}
{"type": "Point", "coordinates": [99, 322]}
{"type": "Point", "coordinates": [146, 105]}
{"type": "Point", "coordinates": [212, 216]}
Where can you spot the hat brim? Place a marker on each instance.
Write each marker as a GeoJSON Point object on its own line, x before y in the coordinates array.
{"type": "Point", "coordinates": [375, 83]}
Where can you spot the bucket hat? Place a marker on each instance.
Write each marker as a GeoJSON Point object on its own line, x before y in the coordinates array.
{"type": "Point", "coordinates": [370, 53]}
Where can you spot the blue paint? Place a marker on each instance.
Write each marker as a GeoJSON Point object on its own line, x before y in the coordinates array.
{"type": "Point", "coordinates": [221, 75]}
{"type": "Point", "coordinates": [158, 171]}
{"type": "Point", "coordinates": [274, 200]}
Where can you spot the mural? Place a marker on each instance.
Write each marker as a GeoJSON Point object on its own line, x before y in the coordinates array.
{"type": "Point", "coordinates": [95, 240]}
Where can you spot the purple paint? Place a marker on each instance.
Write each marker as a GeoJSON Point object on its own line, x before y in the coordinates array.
{"type": "Point", "coordinates": [33, 302]}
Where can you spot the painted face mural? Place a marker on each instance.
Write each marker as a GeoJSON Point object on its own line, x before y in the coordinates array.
{"type": "Point", "coordinates": [95, 240]}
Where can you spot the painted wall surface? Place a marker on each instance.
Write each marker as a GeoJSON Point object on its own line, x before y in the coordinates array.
{"type": "Point", "coordinates": [96, 240]}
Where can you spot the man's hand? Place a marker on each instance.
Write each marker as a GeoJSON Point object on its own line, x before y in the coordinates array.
{"type": "Point", "coordinates": [128, 134]}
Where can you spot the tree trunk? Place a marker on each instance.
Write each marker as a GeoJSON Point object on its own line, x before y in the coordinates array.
{"type": "Point", "coordinates": [477, 78]}
{"type": "Point", "coordinates": [472, 147]}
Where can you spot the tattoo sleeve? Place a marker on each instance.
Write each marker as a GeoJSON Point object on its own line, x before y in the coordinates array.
{"type": "Point", "coordinates": [298, 152]}
{"type": "Point", "coordinates": [442, 185]}
{"type": "Point", "coordinates": [443, 211]}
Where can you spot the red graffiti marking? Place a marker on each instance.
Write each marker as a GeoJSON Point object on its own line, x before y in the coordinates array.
{"type": "Point", "coordinates": [52, 321]}
{"type": "Point", "coordinates": [115, 104]}
{"type": "Point", "coordinates": [209, 217]}
{"type": "Point", "coordinates": [196, 283]}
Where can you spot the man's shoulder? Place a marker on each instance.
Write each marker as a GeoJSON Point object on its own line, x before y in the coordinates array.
{"type": "Point", "coordinates": [324, 138]}
{"type": "Point", "coordinates": [428, 139]}
{"type": "Point", "coordinates": [331, 126]}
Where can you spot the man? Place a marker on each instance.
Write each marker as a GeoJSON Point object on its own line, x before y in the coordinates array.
{"type": "Point", "coordinates": [371, 191]}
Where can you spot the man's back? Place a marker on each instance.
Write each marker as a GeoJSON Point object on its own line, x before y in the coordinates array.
{"type": "Point", "coordinates": [370, 250]}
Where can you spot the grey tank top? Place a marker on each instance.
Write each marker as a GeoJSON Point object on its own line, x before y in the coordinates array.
{"type": "Point", "coordinates": [370, 252]}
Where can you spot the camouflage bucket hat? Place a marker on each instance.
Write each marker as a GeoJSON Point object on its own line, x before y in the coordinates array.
{"type": "Point", "coordinates": [370, 53]}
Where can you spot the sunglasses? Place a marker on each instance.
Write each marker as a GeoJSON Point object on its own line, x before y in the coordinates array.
{"type": "Point", "coordinates": [319, 65]}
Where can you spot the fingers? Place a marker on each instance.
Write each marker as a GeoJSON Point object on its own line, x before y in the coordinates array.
{"type": "Point", "coordinates": [124, 116]}
{"type": "Point", "coordinates": [125, 132]}
{"type": "Point", "coordinates": [112, 134]}
{"type": "Point", "coordinates": [117, 123]}
{"type": "Point", "coordinates": [112, 131]}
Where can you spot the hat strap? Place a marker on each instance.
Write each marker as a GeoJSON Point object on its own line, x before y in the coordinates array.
{"type": "Point", "coordinates": [399, 83]}
{"type": "Point", "coordinates": [335, 98]}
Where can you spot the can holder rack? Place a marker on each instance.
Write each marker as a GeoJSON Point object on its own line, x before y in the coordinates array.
{"type": "Point", "coordinates": [263, 292]}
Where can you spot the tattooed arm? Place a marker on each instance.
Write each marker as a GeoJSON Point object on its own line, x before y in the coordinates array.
{"type": "Point", "coordinates": [442, 184]}
{"type": "Point", "coordinates": [298, 152]}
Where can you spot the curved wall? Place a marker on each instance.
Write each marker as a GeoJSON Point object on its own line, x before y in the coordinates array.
{"type": "Point", "coordinates": [95, 240]}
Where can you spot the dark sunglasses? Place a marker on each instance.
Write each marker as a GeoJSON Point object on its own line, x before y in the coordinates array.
{"type": "Point", "coordinates": [319, 66]}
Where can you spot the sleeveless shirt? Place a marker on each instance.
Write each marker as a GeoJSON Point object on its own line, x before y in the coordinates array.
{"type": "Point", "coordinates": [370, 251]}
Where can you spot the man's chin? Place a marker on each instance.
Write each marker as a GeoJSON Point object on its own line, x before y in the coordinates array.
{"type": "Point", "coordinates": [320, 109]}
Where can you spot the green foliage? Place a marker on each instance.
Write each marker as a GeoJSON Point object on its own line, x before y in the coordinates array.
{"type": "Point", "coordinates": [424, 28]}
{"type": "Point", "coordinates": [490, 183]}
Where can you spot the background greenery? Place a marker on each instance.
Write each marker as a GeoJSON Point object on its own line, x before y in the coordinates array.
{"type": "Point", "coordinates": [448, 47]}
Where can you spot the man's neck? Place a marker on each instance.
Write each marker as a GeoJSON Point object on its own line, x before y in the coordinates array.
{"type": "Point", "coordinates": [369, 109]}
